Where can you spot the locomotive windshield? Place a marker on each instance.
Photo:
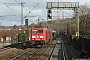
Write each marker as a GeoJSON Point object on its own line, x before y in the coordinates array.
{"type": "Point", "coordinates": [37, 31]}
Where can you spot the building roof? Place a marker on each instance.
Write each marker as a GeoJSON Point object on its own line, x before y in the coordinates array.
{"type": "Point", "coordinates": [11, 33]}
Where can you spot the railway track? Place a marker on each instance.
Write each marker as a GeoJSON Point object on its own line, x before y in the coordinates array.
{"type": "Point", "coordinates": [25, 55]}
{"type": "Point", "coordinates": [52, 52]}
{"type": "Point", "coordinates": [14, 53]}
{"type": "Point", "coordinates": [5, 49]}
{"type": "Point", "coordinates": [55, 51]}
{"type": "Point", "coordinates": [41, 53]}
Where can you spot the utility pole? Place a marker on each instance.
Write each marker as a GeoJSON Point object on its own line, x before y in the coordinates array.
{"type": "Point", "coordinates": [22, 5]}
{"type": "Point", "coordinates": [62, 15]}
{"type": "Point", "coordinates": [57, 10]}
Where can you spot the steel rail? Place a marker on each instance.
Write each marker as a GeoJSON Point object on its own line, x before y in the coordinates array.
{"type": "Point", "coordinates": [52, 52]}
{"type": "Point", "coordinates": [25, 53]}
{"type": "Point", "coordinates": [4, 48]}
{"type": "Point", "coordinates": [33, 54]}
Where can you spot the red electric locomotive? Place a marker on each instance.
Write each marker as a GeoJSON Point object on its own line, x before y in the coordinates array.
{"type": "Point", "coordinates": [40, 36]}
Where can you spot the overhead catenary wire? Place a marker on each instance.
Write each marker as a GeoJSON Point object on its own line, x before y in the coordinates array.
{"type": "Point", "coordinates": [24, 8]}
{"type": "Point", "coordinates": [39, 7]}
{"type": "Point", "coordinates": [11, 10]}
{"type": "Point", "coordinates": [68, 14]}
{"type": "Point", "coordinates": [19, 3]}
{"type": "Point", "coordinates": [34, 1]}
{"type": "Point", "coordinates": [42, 10]}
{"type": "Point", "coordinates": [31, 11]}
{"type": "Point", "coordinates": [15, 13]}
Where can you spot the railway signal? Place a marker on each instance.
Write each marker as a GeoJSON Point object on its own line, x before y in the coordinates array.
{"type": "Point", "coordinates": [49, 14]}
{"type": "Point", "coordinates": [26, 22]}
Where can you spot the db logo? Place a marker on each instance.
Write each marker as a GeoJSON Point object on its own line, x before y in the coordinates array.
{"type": "Point", "coordinates": [37, 36]}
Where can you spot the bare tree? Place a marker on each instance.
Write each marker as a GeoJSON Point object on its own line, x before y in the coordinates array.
{"type": "Point", "coordinates": [84, 20]}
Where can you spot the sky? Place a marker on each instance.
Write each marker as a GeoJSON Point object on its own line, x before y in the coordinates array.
{"type": "Point", "coordinates": [10, 11]}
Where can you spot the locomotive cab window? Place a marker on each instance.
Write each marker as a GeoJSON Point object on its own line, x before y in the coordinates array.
{"type": "Point", "coordinates": [37, 31]}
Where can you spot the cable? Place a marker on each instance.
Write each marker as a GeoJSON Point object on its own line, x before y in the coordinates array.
{"type": "Point", "coordinates": [12, 11]}
{"type": "Point", "coordinates": [31, 11]}
{"type": "Point", "coordinates": [34, 1]}
{"type": "Point", "coordinates": [17, 1]}
{"type": "Point", "coordinates": [68, 14]}
{"type": "Point", "coordinates": [40, 7]}
{"type": "Point", "coordinates": [9, 8]}
{"type": "Point", "coordinates": [28, 10]}
{"type": "Point", "coordinates": [43, 11]}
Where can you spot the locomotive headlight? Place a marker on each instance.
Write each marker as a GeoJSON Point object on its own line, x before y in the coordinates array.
{"type": "Point", "coordinates": [41, 36]}
{"type": "Point", "coordinates": [33, 36]}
